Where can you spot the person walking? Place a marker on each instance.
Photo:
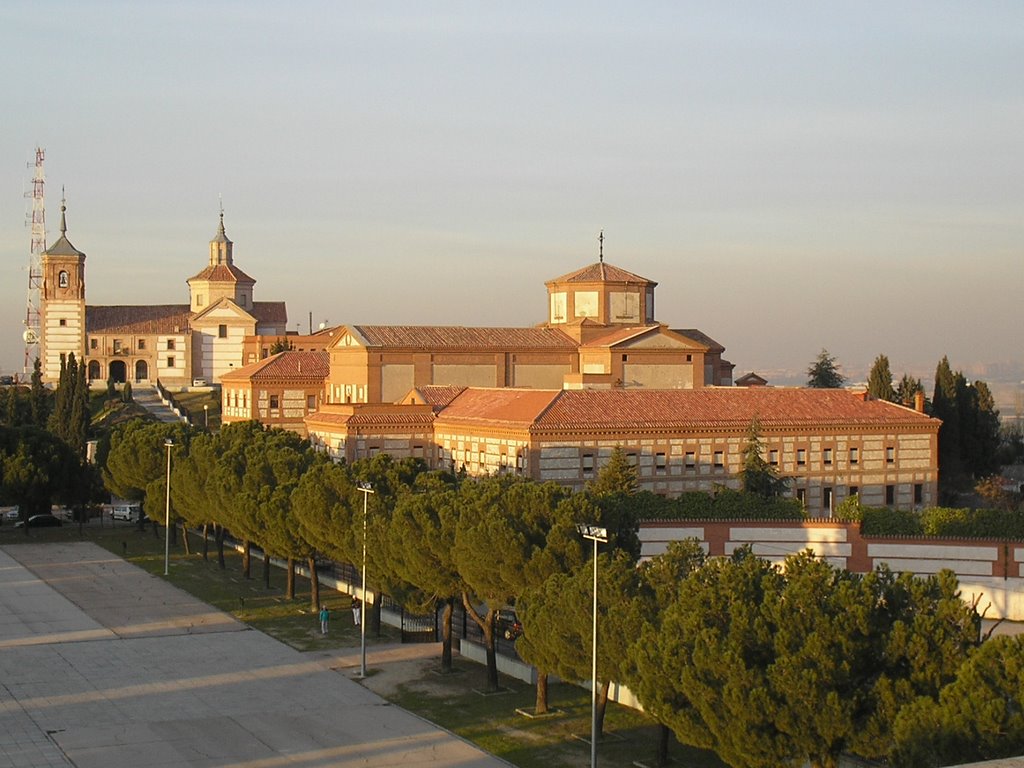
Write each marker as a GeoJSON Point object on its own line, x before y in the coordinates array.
{"type": "Point", "coordinates": [325, 615]}
{"type": "Point", "coordinates": [357, 610]}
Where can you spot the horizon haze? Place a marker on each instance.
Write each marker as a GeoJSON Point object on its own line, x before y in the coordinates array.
{"type": "Point", "coordinates": [844, 176]}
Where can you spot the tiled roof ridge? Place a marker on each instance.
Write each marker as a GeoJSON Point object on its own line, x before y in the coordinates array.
{"type": "Point", "coordinates": [602, 271]}
{"type": "Point", "coordinates": [463, 336]}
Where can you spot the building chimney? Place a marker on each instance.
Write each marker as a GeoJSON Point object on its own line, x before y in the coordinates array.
{"type": "Point", "coordinates": [919, 401]}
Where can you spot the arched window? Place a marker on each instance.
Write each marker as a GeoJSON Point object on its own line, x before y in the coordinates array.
{"type": "Point", "coordinates": [62, 279]}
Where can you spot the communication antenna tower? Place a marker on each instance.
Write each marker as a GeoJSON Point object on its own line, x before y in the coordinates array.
{"type": "Point", "coordinates": [35, 262]}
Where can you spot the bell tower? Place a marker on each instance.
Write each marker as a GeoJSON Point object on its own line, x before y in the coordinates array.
{"type": "Point", "coordinates": [62, 302]}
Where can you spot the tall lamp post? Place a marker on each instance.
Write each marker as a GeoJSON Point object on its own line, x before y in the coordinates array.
{"type": "Point", "coordinates": [366, 489]}
{"type": "Point", "coordinates": [206, 415]}
{"type": "Point", "coordinates": [168, 443]}
{"type": "Point", "coordinates": [596, 535]}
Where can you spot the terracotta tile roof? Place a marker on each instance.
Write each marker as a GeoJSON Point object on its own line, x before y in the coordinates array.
{"type": "Point", "coordinates": [461, 337]}
{"type": "Point", "coordinates": [418, 419]}
{"type": "Point", "coordinates": [270, 311]}
{"type": "Point", "coordinates": [223, 273]}
{"type": "Point", "coordinates": [731, 407]}
{"type": "Point", "coordinates": [624, 334]}
{"type": "Point", "coordinates": [676, 409]}
{"type": "Point", "coordinates": [391, 419]}
{"type": "Point", "coordinates": [521, 407]}
{"type": "Point", "coordinates": [700, 337]}
{"type": "Point", "coordinates": [439, 396]}
{"type": "Point", "coordinates": [296, 366]}
{"type": "Point", "coordinates": [160, 318]}
{"type": "Point", "coordinates": [601, 272]}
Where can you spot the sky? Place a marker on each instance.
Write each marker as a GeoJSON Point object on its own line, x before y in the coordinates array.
{"type": "Point", "coordinates": [795, 176]}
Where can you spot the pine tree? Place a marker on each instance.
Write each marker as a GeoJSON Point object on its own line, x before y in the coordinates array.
{"type": "Point", "coordinates": [757, 475]}
{"type": "Point", "coordinates": [824, 372]}
{"type": "Point", "coordinates": [880, 380]}
{"type": "Point", "coordinates": [617, 477]}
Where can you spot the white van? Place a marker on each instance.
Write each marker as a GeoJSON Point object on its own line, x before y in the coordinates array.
{"type": "Point", "coordinates": [129, 511]}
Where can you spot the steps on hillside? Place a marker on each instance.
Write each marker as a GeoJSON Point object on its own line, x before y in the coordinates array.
{"type": "Point", "coordinates": [150, 400]}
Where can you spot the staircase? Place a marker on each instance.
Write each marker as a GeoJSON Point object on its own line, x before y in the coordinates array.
{"type": "Point", "coordinates": [150, 400]}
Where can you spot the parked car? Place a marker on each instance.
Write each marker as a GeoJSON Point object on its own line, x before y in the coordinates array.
{"type": "Point", "coordinates": [41, 521]}
{"type": "Point", "coordinates": [12, 513]}
{"type": "Point", "coordinates": [508, 624]}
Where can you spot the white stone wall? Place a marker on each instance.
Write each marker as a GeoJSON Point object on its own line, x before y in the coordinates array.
{"type": "Point", "coordinates": [61, 339]}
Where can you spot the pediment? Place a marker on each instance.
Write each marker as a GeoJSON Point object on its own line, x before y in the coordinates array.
{"type": "Point", "coordinates": [346, 337]}
{"type": "Point", "coordinates": [220, 311]}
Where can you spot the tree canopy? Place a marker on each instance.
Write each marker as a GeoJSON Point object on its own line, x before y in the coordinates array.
{"type": "Point", "coordinates": [824, 373]}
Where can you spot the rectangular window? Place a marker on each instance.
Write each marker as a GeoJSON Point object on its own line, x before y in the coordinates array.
{"type": "Point", "coordinates": [63, 322]}
{"type": "Point", "coordinates": [890, 495]}
{"type": "Point", "coordinates": [222, 331]}
{"type": "Point", "coordinates": [773, 457]}
{"type": "Point", "coordinates": [117, 346]}
{"type": "Point", "coordinates": [631, 458]}
{"type": "Point", "coordinates": [93, 344]}
{"type": "Point", "coordinates": [310, 402]}
{"type": "Point", "coordinates": [690, 460]}
{"type": "Point", "coordinates": [854, 457]}
{"type": "Point", "coordinates": [801, 456]}
{"type": "Point", "coordinates": [660, 463]}
{"type": "Point", "coordinates": [826, 501]}
{"type": "Point", "coordinates": [170, 361]}
{"type": "Point", "coordinates": [890, 455]}
{"type": "Point", "coordinates": [273, 401]}
{"type": "Point", "coordinates": [588, 464]}
{"type": "Point", "coordinates": [625, 358]}
{"type": "Point", "coordinates": [826, 457]}
{"type": "Point", "coordinates": [689, 358]}
{"type": "Point", "coordinates": [170, 343]}
{"type": "Point", "coordinates": [918, 493]}
{"type": "Point", "coordinates": [801, 496]}
{"type": "Point", "coordinates": [854, 491]}
{"type": "Point", "coordinates": [719, 459]}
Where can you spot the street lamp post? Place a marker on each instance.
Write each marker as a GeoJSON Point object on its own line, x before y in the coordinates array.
{"type": "Point", "coordinates": [596, 535]}
{"type": "Point", "coordinates": [206, 414]}
{"type": "Point", "coordinates": [168, 443]}
{"type": "Point", "coordinates": [366, 489]}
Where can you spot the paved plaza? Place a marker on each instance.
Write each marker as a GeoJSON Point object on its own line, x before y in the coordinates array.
{"type": "Point", "coordinates": [103, 665]}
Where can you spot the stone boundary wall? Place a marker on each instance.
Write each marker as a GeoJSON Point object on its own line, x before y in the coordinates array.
{"type": "Point", "coordinates": [989, 570]}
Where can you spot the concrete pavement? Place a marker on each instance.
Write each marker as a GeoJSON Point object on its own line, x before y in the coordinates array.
{"type": "Point", "coordinates": [103, 665]}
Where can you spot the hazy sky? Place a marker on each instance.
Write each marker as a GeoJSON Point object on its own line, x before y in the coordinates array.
{"type": "Point", "coordinates": [794, 175]}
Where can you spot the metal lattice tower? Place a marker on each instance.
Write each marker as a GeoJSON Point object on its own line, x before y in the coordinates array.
{"type": "Point", "coordinates": [33, 328]}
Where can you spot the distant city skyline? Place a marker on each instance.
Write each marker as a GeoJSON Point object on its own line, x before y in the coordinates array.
{"type": "Point", "coordinates": [847, 176]}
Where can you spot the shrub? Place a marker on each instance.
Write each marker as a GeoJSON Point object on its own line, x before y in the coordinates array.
{"type": "Point", "coordinates": [882, 521]}
{"type": "Point", "coordinates": [850, 510]}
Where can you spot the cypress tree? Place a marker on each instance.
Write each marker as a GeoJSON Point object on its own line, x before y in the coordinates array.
{"type": "Point", "coordinates": [37, 396]}
{"type": "Point", "coordinates": [907, 389]}
{"type": "Point", "coordinates": [58, 421]}
{"type": "Point", "coordinates": [78, 418]}
{"type": "Point", "coordinates": [944, 406]}
{"type": "Point", "coordinates": [880, 380]}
